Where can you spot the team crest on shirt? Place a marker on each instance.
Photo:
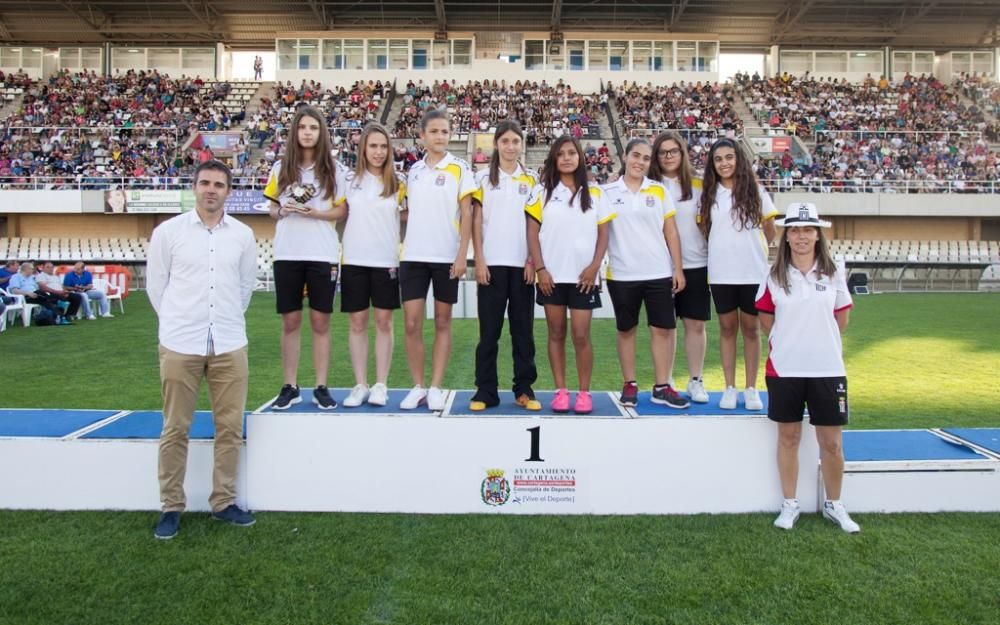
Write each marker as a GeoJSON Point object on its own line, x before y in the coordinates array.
{"type": "Point", "coordinates": [650, 201]}
{"type": "Point", "coordinates": [439, 181]}
{"type": "Point", "coordinates": [523, 189]}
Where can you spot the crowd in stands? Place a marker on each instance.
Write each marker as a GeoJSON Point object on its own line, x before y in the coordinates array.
{"type": "Point", "coordinates": [986, 94]}
{"type": "Point", "coordinates": [804, 105]}
{"type": "Point", "coordinates": [544, 111]}
{"type": "Point", "coordinates": [889, 163]}
{"type": "Point", "coordinates": [82, 128]}
{"type": "Point", "coordinates": [701, 112]}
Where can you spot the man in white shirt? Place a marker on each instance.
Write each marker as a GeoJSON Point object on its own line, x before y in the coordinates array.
{"type": "Point", "coordinates": [200, 276]}
{"type": "Point", "coordinates": [52, 284]}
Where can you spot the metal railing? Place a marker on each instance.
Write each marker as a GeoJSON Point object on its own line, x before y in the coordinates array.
{"type": "Point", "coordinates": [910, 134]}
{"type": "Point", "coordinates": [850, 185]}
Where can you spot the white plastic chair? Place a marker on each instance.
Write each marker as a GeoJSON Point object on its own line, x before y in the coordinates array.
{"type": "Point", "coordinates": [19, 306]}
{"type": "Point", "coordinates": [102, 284]}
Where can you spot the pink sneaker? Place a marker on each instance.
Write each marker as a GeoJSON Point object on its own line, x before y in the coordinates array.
{"type": "Point", "coordinates": [560, 403]}
{"type": "Point", "coordinates": [583, 403]}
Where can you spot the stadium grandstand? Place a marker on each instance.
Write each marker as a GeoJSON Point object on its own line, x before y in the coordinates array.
{"type": "Point", "coordinates": [897, 139]}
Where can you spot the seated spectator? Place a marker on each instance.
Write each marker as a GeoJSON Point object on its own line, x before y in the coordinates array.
{"type": "Point", "coordinates": [6, 273]}
{"type": "Point", "coordinates": [49, 283]}
{"type": "Point", "coordinates": [81, 281]}
{"type": "Point", "coordinates": [25, 283]}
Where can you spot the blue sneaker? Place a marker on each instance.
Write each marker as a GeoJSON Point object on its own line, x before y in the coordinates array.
{"type": "Point", "coordinates": [233, 514]}
{"type": "Point", "coordinates": [166, 527]}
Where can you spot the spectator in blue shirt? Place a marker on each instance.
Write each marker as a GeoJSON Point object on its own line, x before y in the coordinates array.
{"type": "Point", "coordinates": [81, 281]}
{"type": "Point", "coordinates": [6, 273]}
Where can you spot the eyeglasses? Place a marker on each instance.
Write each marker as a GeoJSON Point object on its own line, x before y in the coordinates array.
{"type": "Point", "coordinates": [669, 153]}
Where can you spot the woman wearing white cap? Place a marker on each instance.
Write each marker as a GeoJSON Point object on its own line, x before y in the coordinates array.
{"type": "Point", "coordinates": [804, 305]}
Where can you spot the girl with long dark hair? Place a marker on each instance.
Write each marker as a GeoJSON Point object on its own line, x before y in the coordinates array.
{"type": "Point", "coordinates": [305, 188]}
{"type": "Point", "coordinates": [567, 239]}
{"type": "Point", "coordinates": [504, 270]}
{"type": "Point", "coordinates": [736, 217]}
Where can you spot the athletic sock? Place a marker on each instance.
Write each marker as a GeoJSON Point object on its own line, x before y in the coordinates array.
{"type": "Point", "coordinates": [794, 503]}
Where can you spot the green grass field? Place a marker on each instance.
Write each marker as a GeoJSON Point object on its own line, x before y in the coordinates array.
{"type": "Point", "coordinates": [913, 361]}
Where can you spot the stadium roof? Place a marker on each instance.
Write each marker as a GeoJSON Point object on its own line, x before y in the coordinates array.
{"type": "Point", "coordinates": [923, 24]}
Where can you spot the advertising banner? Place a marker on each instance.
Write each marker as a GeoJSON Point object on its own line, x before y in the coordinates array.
{"type": "Point", "coordinates": [148, 200]}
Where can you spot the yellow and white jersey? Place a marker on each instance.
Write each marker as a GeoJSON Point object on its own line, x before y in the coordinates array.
{"type": "Point", "coordinates": [568, 235]}
{"type": "Point", "coordinates": [505, 242]}
{"type": "Point", "coordinates": [303, 238]}
{"type": "Point", "coordinates": [737, 255]}
{"type": "Point", "coordinates": [371, 235]}
{"type": "Point", "coordinates": [433, 196]}
{"type": "Point", "coordinates": [637, 249]}
{"type": "Point", "coordinates": [694, 247]}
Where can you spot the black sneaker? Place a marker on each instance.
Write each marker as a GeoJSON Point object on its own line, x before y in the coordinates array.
{"type": "Point", "coordinates": [321, 397]}
{"type": "Point", "coordinates": [630, 395]}
{"type": "Point", "coordinates": [667, 396]}
{"type": "Point", "coordinates": [288, 396]}
{"type": "Point", "coordinates": [233, 514]}
{"type": "Point", "coordinates": [166, 527]}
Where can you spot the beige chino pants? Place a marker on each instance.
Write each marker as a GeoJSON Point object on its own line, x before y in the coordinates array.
{"type": "Point", "coordinates": [180, 379]}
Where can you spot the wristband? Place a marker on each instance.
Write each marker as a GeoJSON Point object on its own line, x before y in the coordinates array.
{"type": "Point", "coordinates": [542, 268]}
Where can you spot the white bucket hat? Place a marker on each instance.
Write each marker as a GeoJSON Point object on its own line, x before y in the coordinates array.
{"type": "Point", "coordinates": [802, 214]}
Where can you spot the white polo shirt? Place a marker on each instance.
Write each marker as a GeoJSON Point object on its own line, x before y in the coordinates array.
{"type": "Point", "coordinates": [568, 235]}
{"type": "Point", "coordinates": [805, 339]}
{"type": "Point", "coordinates": [298, 237]}
{"type": "Point", "coordinates": [737, 255]}
{"type": "Point", "coordinates": [637, 249]}
{"type": "Point", "coordinates": [505, 243]}
{"type": "Point", "coordinates": [694, 247]}
{"type": "Point", "coordinates": [433, 195]}
{"type": "Point", "coordinates": [200, 281]}
{"type": "Point", "coordinates": [371, 236]}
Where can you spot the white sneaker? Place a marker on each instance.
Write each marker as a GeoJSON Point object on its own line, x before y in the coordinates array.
{"type": "Point", "coordinates": [358, 396]}
{"type": "Point", "coordinates": [107, 316]}
{"type": "Point", "coordinates": [91, 318]}
{"type": "Point", "coordinates": [414, 398]}
{"type": "Point", "coordinates": [436, 398]}
{"type": "Point", "coordinates": [789, 515]}
{"type": "Point", "coordinates": [836, 512]}
{"type": "Point", "coordinates": [728, 401]}
{"type": "Point", "coordinates": [379, 395]}
{"type": "Point", "coordinates": [751, 399]}
{"type": "Point", "coordinates": [696, 391]}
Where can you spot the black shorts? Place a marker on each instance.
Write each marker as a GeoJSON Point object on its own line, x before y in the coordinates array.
{"type": "Point", "coordinates": [415, 277]}
{"type": "Point", "coordinates": [729, 297]}
{"type": "Point", "coordinates": [695, 301]}
{"type": "Point", "coordinates": [566, 294]}
{"type": "Point", "coordinates": [361, 287]}
{"type": "Point", "coordinates": [825, 397]}
{"type": "Point", "coordinates": [627, 296]}
{"type": "Point", "coordinates": [294, 278]}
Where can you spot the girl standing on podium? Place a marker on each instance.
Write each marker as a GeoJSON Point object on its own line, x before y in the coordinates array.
{"type": "Point", "coordinates": [504, 271]}
{"type": "Point", "coordinates": [644, 267]}
{"type": "Point", "coordinates": [804, 305]}
{"type": "Point", "coordinates": [373, 200]}
{"type": "Point", "coordinates": [671, 165]}
{"type": "Point", "coordinates": [567, 238]}
{"type": "Point", "coordinates": [736, 217]}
